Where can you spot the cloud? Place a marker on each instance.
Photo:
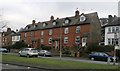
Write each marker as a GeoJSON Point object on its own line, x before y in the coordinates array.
{"type": "Point", "coordinates": [19, 13]}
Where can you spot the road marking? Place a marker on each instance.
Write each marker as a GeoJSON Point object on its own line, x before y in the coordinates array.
{"type": "Point", "coordinates": [28, 67]}
{"type": "Point", "coordinates": [6, 64]}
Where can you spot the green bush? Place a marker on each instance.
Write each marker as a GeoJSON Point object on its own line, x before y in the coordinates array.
{"type": "Point", "coordinates": [66, 51]}
{"type": "Point", "coordinates": [19, 45]}
{"type": "Point", "coordinates": [100, 48]}
{"type": "Point", "coordinates": [43, 47]}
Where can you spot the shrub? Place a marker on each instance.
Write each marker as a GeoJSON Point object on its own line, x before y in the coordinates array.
{"type": "Point", "coordinates": [19, 45]}
{"type": "Point", "coordinates": [43, 47]}
{"type": "Point", "coordinates": [66, 51]}
{"type": "Point", "coordinates": [100, 48]}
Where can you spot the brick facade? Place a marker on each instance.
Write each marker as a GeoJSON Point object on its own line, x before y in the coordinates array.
{"type": "Point", "coordinates": [35, 38]}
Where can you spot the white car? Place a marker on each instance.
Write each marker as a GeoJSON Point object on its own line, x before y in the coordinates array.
{"type": "Point", "coordinates": [45, 53]}
{"type": "Point", "coordinates": [3, 50]}
{"type": "Point", "coordinates": [28, 52]}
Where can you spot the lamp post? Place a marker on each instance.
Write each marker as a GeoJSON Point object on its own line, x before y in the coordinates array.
{"type": "Point", "coordinates": [60, 42]}
{"type": "Point", "coordinates": [114, 58]}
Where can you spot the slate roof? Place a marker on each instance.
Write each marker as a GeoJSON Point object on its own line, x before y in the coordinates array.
{"type": "Point", "coordinates": [15, 34]}
{"type": "Point", "coordinates": [115, 22]}
{"type": "Point", "coordinates": [74, 20]}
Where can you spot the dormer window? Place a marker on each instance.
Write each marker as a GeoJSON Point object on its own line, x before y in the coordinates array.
{"type": "Point", "coordinates": [66, 21]}
{"type": "Point", "coordinates": [35, 26]}
{"type": "Point", "coordinates": [44, 24]}
{"type": "Point", "coordinates": [27, 27]}
{"type": "Point", "coordinates": [54, 23]}
{"type": "Point", "coordinates": [82, 18]}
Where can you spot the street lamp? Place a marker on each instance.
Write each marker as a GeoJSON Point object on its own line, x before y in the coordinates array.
{"type": "Point", "coordinates": [60, 42]}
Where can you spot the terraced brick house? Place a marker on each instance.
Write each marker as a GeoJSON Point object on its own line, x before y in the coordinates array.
{"type": "Point", "coordinates": [78, 30]}
{"type": "Point", "coordinates": [7, 38]}
{"type": "Point", "coordinates": [15, 37]}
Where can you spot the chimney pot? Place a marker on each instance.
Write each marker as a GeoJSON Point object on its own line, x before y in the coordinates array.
{"type": "Point", "coordinates": [52, 18]}
{"type": "Point", "coordinates": [76, 13]}
{"type": "Point", "coordinates": [33, 22]}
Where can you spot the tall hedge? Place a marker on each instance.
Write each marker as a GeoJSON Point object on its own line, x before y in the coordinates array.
{"type": "Point", "coordinates": [100, 48]}
{"type": "Point", "coordinates": [19, 45]}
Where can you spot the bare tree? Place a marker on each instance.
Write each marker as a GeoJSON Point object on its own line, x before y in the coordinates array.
{"type": "Point", "coordinates": [3, 22]}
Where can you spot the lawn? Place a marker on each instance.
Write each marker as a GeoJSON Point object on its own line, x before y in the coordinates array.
{"type": "Point", "coordinates": [55, 63]}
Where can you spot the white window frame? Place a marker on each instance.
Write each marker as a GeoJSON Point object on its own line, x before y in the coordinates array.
{"type": "Point", "coordinates": [113, 28]}
{"type": "Point", "coordinates": [50, 40]}
{"type": "Point", "coordinates": [77, 38]}
{"type": "Point", "coordinates": [117, 29]}
{"type": "Point", "coordinates": [66, 30]}
{"type": "Point", "coordinates": [42, 40]}
{"type": "Point", "coordinates": [13, 38]}
{"type": "Point", "coordinates": [77, 29]}
{"type": "Point", "coordinates": [82, 18]}
{"type": "Point", "coordinates": [54, 23]}
{"type": "Point", "coordinates": [84, 39]}
{"type": "Point", "coordinates": [50, 32]}
{"type": "Point", "coordinates": [109, 29]}
{"type": "Point", "coordinates": [44, 24]}
{"type": "Point", "coordinates": [17, 37]}
{"type": "Point", "coordinates": [65, 40]}
{"type": "Point", "coordinates": [42, 33]}
{"type": "Point", "coordinates": [31, 34]}
{"type": "Point", "coordinates": [25, 35]}
{"type": "Point", "coordinates": [109, 41]}
{"type": "Point", "coordinates": [66, 21]}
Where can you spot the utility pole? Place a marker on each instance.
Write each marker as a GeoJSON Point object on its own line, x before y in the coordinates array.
{"type": "Point", "coordinates": [60, 42]}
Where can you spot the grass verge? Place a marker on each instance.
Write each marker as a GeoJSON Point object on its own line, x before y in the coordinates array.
{"type": "Point", "coordinates": [54, 63]}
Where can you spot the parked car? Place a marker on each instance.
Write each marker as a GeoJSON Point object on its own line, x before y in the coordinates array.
{"type": "Point", "coordinates": [44, 53]}
{"type": "Point", "coordinates": [101, 56]}
{"type": "Point", "coordinates": [28, 52]}
{"type": "Point", "coordinates": [3, 50]}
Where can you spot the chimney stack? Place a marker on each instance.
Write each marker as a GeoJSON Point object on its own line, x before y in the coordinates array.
{"type": "Point", "coordinates": [77, 13]}
{"type": "Point", "coordinates": [110, 18]}
{"type": "Point", "coordinates": [33, 22]}
{"type": "Point", "coordinates": [51, 18]}
{"type": "Point", "coordinates": [16, 30]}
{"type": "Point", "coordinates": [8, 30]}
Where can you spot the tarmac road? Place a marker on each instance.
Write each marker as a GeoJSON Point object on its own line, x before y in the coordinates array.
{"type": "Point", "coordinates": [9, 66]}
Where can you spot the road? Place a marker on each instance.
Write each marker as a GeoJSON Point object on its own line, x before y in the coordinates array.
{"type": "Point", "coordinates": [9, 66]}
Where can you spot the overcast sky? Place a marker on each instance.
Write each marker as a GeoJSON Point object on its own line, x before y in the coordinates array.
{"type": "Point", "coordinates": [19, 13]}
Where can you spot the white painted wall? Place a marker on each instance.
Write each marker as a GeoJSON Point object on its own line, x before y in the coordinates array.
{"type": "Point", "coordinates": [110, 35]}
{"type": "Point", "coordinates": [119, 39]}
{"type": "Point", "coordinates": [15, 39]}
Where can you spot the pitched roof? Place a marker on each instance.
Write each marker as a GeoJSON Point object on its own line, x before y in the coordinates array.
{"type": "Point", "coordinates": [114, 22]}
{"type": "Point", "coordinates": [74, 20]}
{"type": "Point", "coordinates": [15, 34]}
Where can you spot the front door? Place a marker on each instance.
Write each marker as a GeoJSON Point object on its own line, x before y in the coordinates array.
{"type": "Point", "coordinates": [84, 41]}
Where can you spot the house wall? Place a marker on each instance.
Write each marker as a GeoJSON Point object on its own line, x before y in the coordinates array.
{"type": "Point", "coordinates": [15, 39]}
{"type": "Point", "coordinates": [85, 28]}
{"type": "Point", "coordinates": [110, 35]}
